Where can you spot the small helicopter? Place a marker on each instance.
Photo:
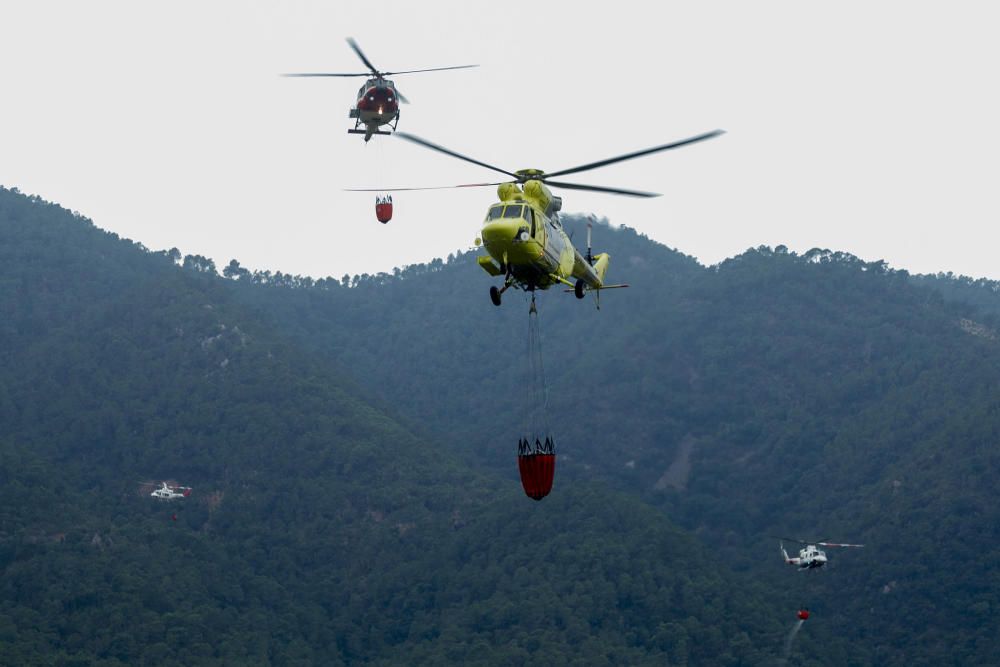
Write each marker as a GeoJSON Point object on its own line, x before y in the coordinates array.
{"type": "Point", "coordinates": [810, 556]}
{"type": "Point", "coordinates": [522, 234]}
{"type": "Point", "coordinates": [167, 492]}
{"type": "Point", "coordinates": [378, 100]}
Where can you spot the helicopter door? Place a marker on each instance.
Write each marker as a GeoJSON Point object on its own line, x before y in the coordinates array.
{"type": "Point", "coordinates": [538, 231]}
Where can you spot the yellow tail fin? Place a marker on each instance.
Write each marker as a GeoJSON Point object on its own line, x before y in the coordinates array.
{"type": "Point", "coordinates": [601, 265]}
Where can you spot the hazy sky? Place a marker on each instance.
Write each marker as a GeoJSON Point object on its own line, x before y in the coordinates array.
{"type": "Point", "coordinates": [869, 127]}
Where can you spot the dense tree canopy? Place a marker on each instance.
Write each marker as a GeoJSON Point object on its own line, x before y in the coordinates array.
{"type": "Point", "coordinates": [321, 530]}
{"type": "Point", "coordinates": [352, 442]}
{"type": "Point", "coordinates": [776, 393]}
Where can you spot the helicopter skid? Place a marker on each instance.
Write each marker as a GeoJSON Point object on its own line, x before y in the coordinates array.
{"type": "Point", "coordinates": [367, 132]}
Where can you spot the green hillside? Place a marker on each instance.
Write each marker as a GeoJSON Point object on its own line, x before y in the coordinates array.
{"type": "Point", "coordinates": [814, 395]}
{"type": "Point", "coordinates": [321, 529]}
{"type": "Point", "coordinates": [980, 292]}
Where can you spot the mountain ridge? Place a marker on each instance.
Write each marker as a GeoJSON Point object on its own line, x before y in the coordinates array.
{"type": "Point", "coordinates": [820, 392]}
{"type": "Point", "coordinates": [328, 532]}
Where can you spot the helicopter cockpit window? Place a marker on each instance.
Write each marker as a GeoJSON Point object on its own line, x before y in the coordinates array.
{"type": "Point", "coordinates": [496, 212]}
{"type": "Point", "coordinates": [513, 211]}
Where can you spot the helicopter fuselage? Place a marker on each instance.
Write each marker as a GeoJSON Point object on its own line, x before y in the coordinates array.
{"type": "Point", "coordinates": [167, 492]}
{"type": "Point", "coordinates": [524, 236]}
{"type": "Point", "coordinates": [377, 105]}
{"type": "Point", "coordinates": [810, 558]}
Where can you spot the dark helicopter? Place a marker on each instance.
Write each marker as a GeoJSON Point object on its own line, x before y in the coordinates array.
{"type": "Point", "coordinates": [378, 99]}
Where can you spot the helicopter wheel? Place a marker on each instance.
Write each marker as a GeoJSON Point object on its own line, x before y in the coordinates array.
{"type": "Point", "coordinates": [578, 289]}
{"type": "Point", "coordinates": [494, 295]}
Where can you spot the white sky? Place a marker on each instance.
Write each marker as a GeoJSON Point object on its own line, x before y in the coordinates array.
{"type": "Point", "coordinates": [869, 127]}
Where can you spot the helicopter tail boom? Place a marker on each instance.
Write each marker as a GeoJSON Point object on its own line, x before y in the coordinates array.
{"type": "Point", "coordinates": [591, 269]}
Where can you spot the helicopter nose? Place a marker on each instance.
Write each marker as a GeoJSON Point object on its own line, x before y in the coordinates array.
{"type": "Point", "coordinates": [500, 232]}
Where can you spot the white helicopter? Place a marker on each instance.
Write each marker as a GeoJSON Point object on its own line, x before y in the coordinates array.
{"type": "Point", "coordinates": [167, 492]}
{"type": "Point", "coordinates": [810, 556]}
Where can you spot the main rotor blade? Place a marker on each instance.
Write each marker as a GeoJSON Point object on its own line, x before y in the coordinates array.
{"type": "Point", "coordinates": [441, 149]}
{"type": "Point", "coordinates": [648, 151]}
{"type": "Point", "coordinates": [834, 544]}
{"type": "Point", "coordinates": [401, 97]}
{"type": "Point", "coordinates": [324, 74]}
{"type": "Point", "coordinates": [357, 50]}
{"type": "Point", "coordinates": [432, 69]}
{"type": "Point", "coordinates": [436, 187]}
{"type": "Point", "coordinates": [598, 188]}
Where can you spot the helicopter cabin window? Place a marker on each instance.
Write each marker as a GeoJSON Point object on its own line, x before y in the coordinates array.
{"type": "Point", "coordinates": [513, 211]}
{"type": "Point", "coordinates": [496, 212]}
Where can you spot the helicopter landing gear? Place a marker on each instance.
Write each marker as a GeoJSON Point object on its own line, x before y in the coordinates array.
{"type": "Point", "coordinates": [578, 289]}
{"type": "Point", "coordinates": [496, 293]}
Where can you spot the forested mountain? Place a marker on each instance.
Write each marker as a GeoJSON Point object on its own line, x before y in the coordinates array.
{"type": "Point", "coordinates": [352, 443]}
{"type": "Point", "coordinates": [814, 395]}
{"type": "Point", "coordinates": [322, 530]}
{"type": "Point", "coordinates": [980, 292]}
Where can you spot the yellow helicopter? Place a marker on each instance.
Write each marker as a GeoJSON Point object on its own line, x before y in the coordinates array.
{"type": "Point", "coordinates": [525, 241]}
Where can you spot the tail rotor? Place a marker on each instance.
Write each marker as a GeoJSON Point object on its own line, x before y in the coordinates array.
{"type": "Point", "coordinates": [590, 257]}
